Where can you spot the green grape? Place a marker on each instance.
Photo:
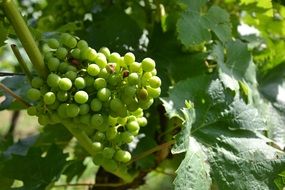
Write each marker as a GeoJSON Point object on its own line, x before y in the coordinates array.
{"type": "Point", "coordinates": [72, 110]}
{"type": "Point", "coordinates": [122, 156]}
{"type": "Point", "coordinates": [127, 137]}
{"type": "Point", "coordinates": [53, 80]}
{"type": "Point", "coordinates": [43, 120]}
{"type": "Point", "coordinates": [65, 84]}
{"type": "Point", "coordinates": [93, 69]}
{"type": "Point", "coordinates": [99, 136]}
{"type": "Point", "coordinates": [142, 94]}
{"type": "Point", "coordinates": [154, 82]}
{"type": "Point", "coordinates": [108, 152]}
{"type": "Point", "coordinates": [135, 67]}
{"type": "Point", "coordinates": [129, 58]}
{"type": "Point", "coordinates": [48, 55]}
{"type": "Point", "coordinates": [75, 53]}
{"type": "Point", "coordinates": [82, 44]}
{"type": "Point", "coordinates": [49, 98]}
{"type": "Point", "coordinates": [68, 40]}
{"type": "Point", "coordinates": [111, 133]}
{"type": "Point", "coordinates": [54, 118]}
{"type": "Point", "coordinates": [71, 68]}
{"type": "Point", "coordinates": [153, 92]}
{"type": "Point", "coordinates": [100, 83]}
{"type": "Point", "coordinates": [71, 75]}
{"type": "Point", "coordinates": [142, 121]}
{"type": "Point", "coordinates": [63, 67]}
{"type": "Point", "coordinates": [84, 109]}
{"type": "Point", "coordinates": [133, 78]}
{"type": "Point", "coordinates": [37, 82]}
{"type": "Point", "coordinates": [105, 51]}
{"type": "Point", "coordinates": [61, 53]}
{"type": "Point", "coordinates": [114, 80]}
{"type": "Point", "coordinates": [81, 97]}
{"type": "Point", "coordinates": [89, 81]}
{"type": "Point", "coordinates": [138, 113]}
{"type": "Point", "coordinates": [98, 159]}
{"type": "Point", "coordinates": [97, 146]}
{"type": "Point", "coordinates": [79, 83]}
{"type": "Point", "coordinates": [85, 119]}
{"type": "Point", "coordinates": [104, 94]}
{"type": "Point", "coordinates": [112, 120]}
{"type": "Point", "coordinates": [110, 165]}
{"type": "Point", "coordinates": [132, 106]}
{"type": "Point", "coordinates": [101, 60]}
{"type": "Point", "coordinates": [96, 105]}
{"type": "Point", "coordinates": [145, 78]}
{"type": "Point", "coordinates": [53, 43]}
{"type": "Point", "coordinates": [145, 104]}
{"type": "Point", "coordinates": [133, 126]}
{"type": "Point", "coordinates": [62, 110]}
{"type": "Point", "coordinates": [122, 120]}
{"type": "Point", "coordinates": [62, 96]}
{"type": "Point", "coordinates": [104, 73]}
{"type": "Point", "coordinates": [116, 105]}
{"type": "Point", "coordinates": [32, 111]}
{"type": "Point", "coordinates": [97, 120]}
{"type": "Point", "coordinates": [33, 94]}
{"type": "Point", "coordinates": [53, 64]}
{"type": "Point", "coordinates": [114, 57]}
{"type": "Point", "coordinates": [148, 64]}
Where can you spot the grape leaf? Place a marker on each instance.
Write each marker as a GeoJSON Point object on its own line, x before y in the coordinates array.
{"type": "Point", "coordinates": [194, 168]}
{"type": "Point", "coordinates": [37, 172]}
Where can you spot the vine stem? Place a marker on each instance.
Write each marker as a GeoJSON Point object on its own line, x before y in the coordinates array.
{"type": "Point", "coordinates": [25, 36]}
{"type": "Point", "coordinates": [87, 144]}
{"type": "Point", "coordinates": [152, 150]}
{"type": "Point", "coordinates": [18, 98]}
{"type": "Point", "coordinates": [22, 62]}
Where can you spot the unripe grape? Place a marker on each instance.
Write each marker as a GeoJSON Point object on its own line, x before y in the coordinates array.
{"type": "Point", "coordinates": [72, 110]}
{"type": "Point", "coordinates": [154, 82]}
{"type": "Point", "coordinates": [68, 40]}
{"type": "Point", "coordinates": [133, 126]}
{"type": "Point", "coordinates": [114, 57]}
{"type": "Point", "coordinates": [62, 110]}
{"type": "Point", "coordinates": [62, 96]}
{"type": "Point", "coordinates": [82, 44]}
{"type": "Point", "coordinates": [53, 64]}
{"type": "Point", "coordinates": [65, 84]}
{"type": "Point", "coordinates": [43, 120]}
{"type": "Point", "coordinates": [110, 165]}
{"type": "Point", "coordinates": [138, 113]}
{"type": "Point", "coordinates": [143, 94]}
{"type": "Point", "coordinates": [112, 120]}
{"type": "Point", "coordinates": [100, 83]}
{"type": "Point", "coordinates": [108, 152]}
{"type": "Point", "coordinates": [132, 106]}
{"type": "Point", "coordinates": [63, 67]}
{"type": "Point", "coordinates": [122, 120]}
{"type": "Point", "coordinates": [153, 92]}
{"type": "Point", "coordinates": [98, 159]}
{"type": "Point", "coordinates": [53, 80]}
{"type": "Point", "coordinates": [145, 104]}
{"type": "Point", "coordinates": [81, 97]}
{"type": "Point", "coordinates": [116, 105]}
{"type": "Point", "coordinates": [145, 78]}
{"type": "Point", "coordinates": [104, 73]}
{"type": "Point", "coordinates": [114, 80]}
{"type": "Point", "coordinates": [101, 60]}
{"type": "Point", "coordinates": [97, 120]}
{"type": "Point", "coordinates": [75, 53]}
{"type": "Point", "coordinates": [93, 69]}
{"type": "Point", "coordinates": [71, 68]}
{"type": "Point", "coordinates": [79, 83]}
{"type": "Point", "coordinates": [148, 64]}
{"type": "Point", "coordinates": [104, 94]}
{"type": "Point", "coordinates": [53, 43]}
{"type": "Point", "coordinates": [32, 111]}
{"type": "Point", "coordinates": [89, 81]}
{"type": "Point", "coordinates": [135, 67]}
{"type": "Point", "coordinates": [99, 136]}
{"type": "Point", "coordinates": [61, 53]}
{"type": "Point", "coordinates": [97, 146]}
{"type": "Point", "coordinates": [37, 82]}
{"type": "Point", "coordinates": [127, 137]}
{"type": "Point", "coordinates": [84, 109]}
{"type": "Point", "coordinates": [71, 75]}
{"type": "Point", "coordinates": [105, 51]}
{"type": "Point", "coordinates": [133, 78]}
{"type": "Point", "coordinates": [129, 58]}
{"type": "Point", "coordinates": [49, 98]}
{"type": "Point", "coordinates": [33, 94]}
{"type": "Point", "coordinates": [142, 121]}
{"type": "Point", "coordinates": [111, 133]}
{"type": "Point", "coordinates": [96, 105]}
{"type": "Point", "coordinates": [85, 119]}
{"type": "Point", "coordinates": [122, 156]}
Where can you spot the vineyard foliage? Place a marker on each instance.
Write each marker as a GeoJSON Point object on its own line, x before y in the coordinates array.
{"type": "Point", "coordinates": [219, 122]}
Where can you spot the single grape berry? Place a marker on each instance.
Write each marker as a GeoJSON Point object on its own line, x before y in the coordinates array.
{"type": "Point", "coordinates": [96, 105]}
{"type": "Point", "coordinates": [122, 156]}
{"type": "Point", "coordinates": [79, 83]}
{"type": "Point", "coordinates": [104, 94]}
{"type": "Point", "coordinates": [116, 105]}
{"type": "Point", "coordinates": [72, 110]}
{"type": "Point", "coordinates": [81, 97]}
{"type": "Point", "coordinates": [129, 58]}
{"type": "Point", "coordinates": [100, 83]}
{"type": "Point", "coordinates": [37, 82]}
{"type": "Point", "coordinates": [133, 78]}
{"type": "Point", "coordinates": [108, 152]}
{"type": "Point", "coordinates": [32, 111]}
{"type": "Point", "coordinates": [97, 120]}
{"type": "Point", "coordinates": [53, 64]}
{"type": "Point", "coordinates": [148, 64]}
{"type": "Point", "coordinates": [62, 96]}
{"type": "Point", "coordinates": [49, 98]}
{"type": "Point", "coordinates": [53, 80]}
{"type": "Point", "coordinates": [105, 51]}
{"type": "Point", "coordinates": [93, 69]}
{"type": "Point", "coordinates": [84, 109]}
{"type": "Point", "coordinates": [154, 82]}
{"type": "Point", "coordinates": [133, 126]}
{"type": "Point", "coordinates": [61, 53]}
{"type": "Point", "coordinates": [71, 75]}
{"type": "Point", "coordinates": [65, 84]}
{"type": "Point", "coordinates": [53, 43]}
{"type": "Point", "coordinates": [33, 94]}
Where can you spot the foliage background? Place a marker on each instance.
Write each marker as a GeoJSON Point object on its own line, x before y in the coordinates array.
{"type": "Point", "coordinates": [223, 94]}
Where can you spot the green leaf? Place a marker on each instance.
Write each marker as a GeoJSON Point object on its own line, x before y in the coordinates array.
{"type": "Point", "coordinates": [35, 171]}
{"type": "Point", "coordinates": [194, 171]}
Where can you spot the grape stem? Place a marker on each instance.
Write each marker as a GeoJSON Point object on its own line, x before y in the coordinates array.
{"type": "Point", "coordinates": [152, 150]}
{"type": "Point", "coordinates": [25, 36]}
{"type": "Point", "coordinates": [22, 62]}
{"type": "Point", "coordinates": [17, 98]}
{"type": "Point", "coordinates": [87, 144]}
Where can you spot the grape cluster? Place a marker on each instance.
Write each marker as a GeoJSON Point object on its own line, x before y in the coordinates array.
{"type": "Point", "coordinates": [103, 93]}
